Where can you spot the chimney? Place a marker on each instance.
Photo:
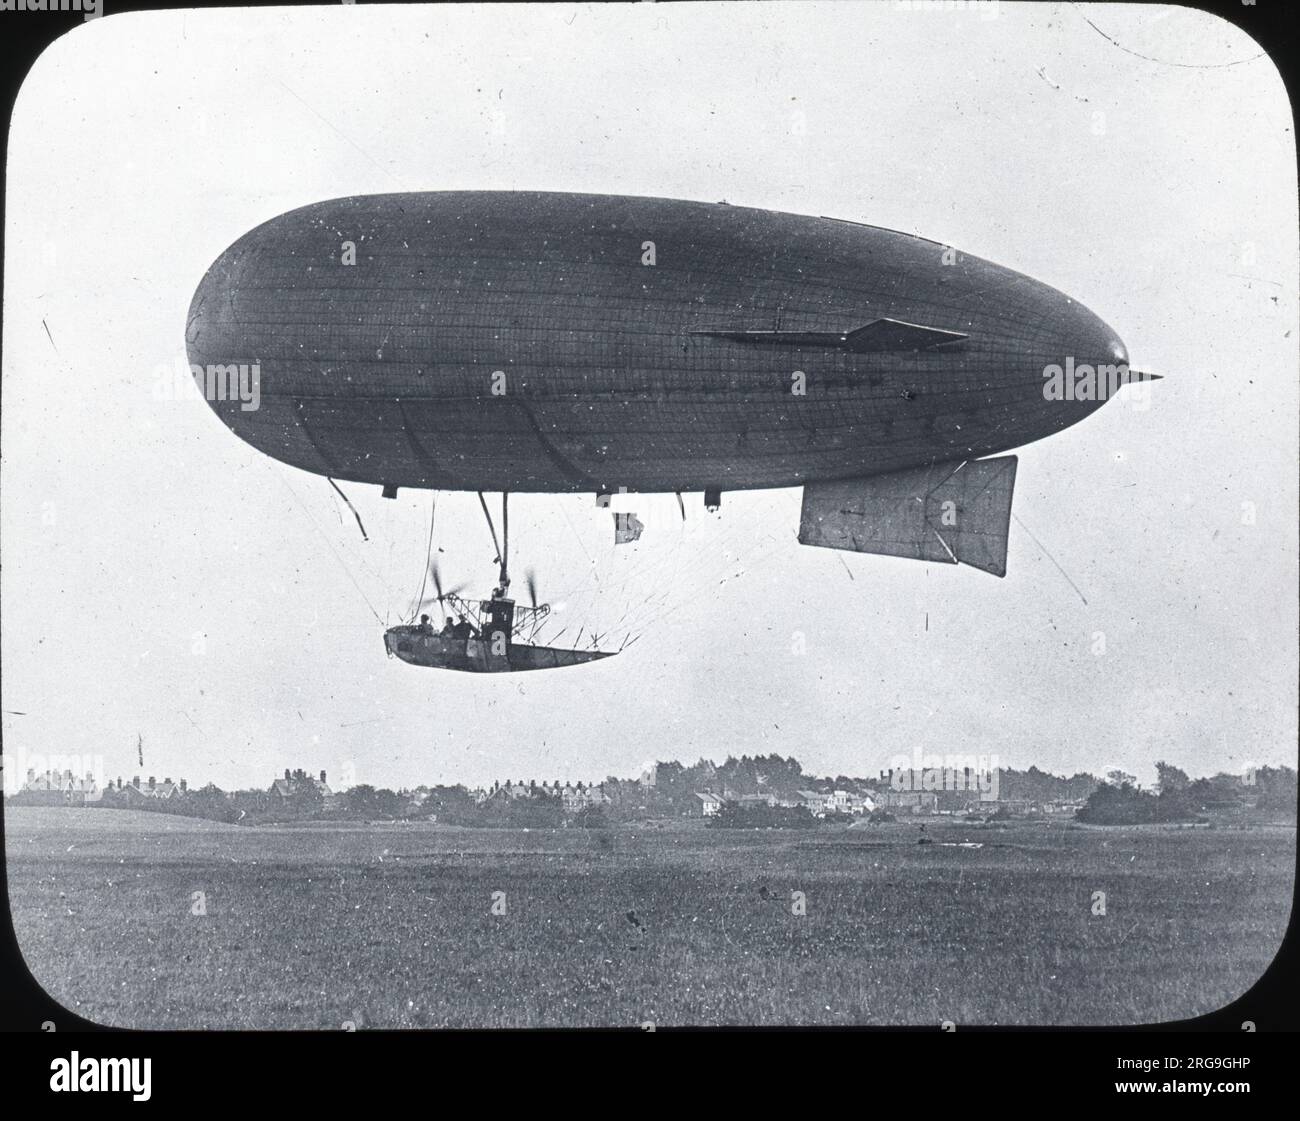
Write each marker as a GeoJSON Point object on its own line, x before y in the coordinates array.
{"type": "Point", "coordinates": [152, 784]}
{"type": "Point", "coordinates": [136, 782]}
{"type": "Point", "coordinates": [183, 787]}
{"type": "Point", "coordinates": [322, 778]}
{"type": "Point", "coordinates": [286, 774]}
{"type": "Point", "coordinates": [166, 781]}
{"type": "Point", "coordinates": [31, 773]}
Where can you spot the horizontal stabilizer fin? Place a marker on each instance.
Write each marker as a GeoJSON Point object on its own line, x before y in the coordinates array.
{"type": "Point", "coordinates": [878, 336]}
{"type": "Point", "coordinates": [894, 334]}
{"type": "Point", "coordinates": [950, 513]}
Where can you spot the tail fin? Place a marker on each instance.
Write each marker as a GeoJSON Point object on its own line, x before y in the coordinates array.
{"type": "Point", "coordinates": [951, 513]}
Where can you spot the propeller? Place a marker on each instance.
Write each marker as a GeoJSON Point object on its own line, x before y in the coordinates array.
{"type": "Point", "coordinates": [436, 576]}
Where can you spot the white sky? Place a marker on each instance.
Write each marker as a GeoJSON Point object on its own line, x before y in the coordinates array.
{"type": "Point", "coordinates": [1159, 193]}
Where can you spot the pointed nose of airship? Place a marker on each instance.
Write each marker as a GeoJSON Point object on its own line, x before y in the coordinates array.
{"type": "Point", "coordinates": [1101, 347]}
{"type": "Point", "coordinates": [1078, 361]}
{"type": "Point", "coordinates": [1113, 346]}
{"type": "Point", "coordinates": [1089, 339]}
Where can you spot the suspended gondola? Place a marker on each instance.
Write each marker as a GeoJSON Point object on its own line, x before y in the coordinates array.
{"type": "Point", "coordinates": [487, 635]}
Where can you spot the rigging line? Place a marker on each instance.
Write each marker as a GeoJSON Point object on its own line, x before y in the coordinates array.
{"type": "Point", "coordinates": [388, 563]}
{"type": "Point", "coordinates": [428, 555]}
{"type": "Point", "coordinates": [329, 545]}
{"type": "Point", "coordinates": [1052, 559]}
{"type": "Point", "coordinates": [483, 502]}
{"type": "Point", "coordinates": [334, 505]}
{"type": "Point", "coordinates": [578, 539]}
{"type": "Point", "coordinates": [655, 605]}
{"type": "Point", "coordinates": [652, 563]}
{"type": "Point", "coordinates": [505, 539]}
{"type": "Point", "coordinates": [635, 565]}
{"type": "Point", "coordinates": [652, 614]}
{"type": "Point", "coordinates": [360, 560]}
{"type": "Point", "coordinates": [350, 506]}
{"type": "Point", "coordinates": [759, 561]}
{"type": "Point", "coordinates": [639, 614]}
{"type": "Point", "coordinates": [638, 610]}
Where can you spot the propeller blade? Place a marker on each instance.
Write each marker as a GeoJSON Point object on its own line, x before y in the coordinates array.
{"type": "Point", "coordinates": [436, 577]}
{"type": "Point", "coordinates": [442, 593]}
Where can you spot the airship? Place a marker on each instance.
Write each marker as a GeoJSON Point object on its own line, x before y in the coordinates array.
{"type": "Point", "coordinates": [513, 342]}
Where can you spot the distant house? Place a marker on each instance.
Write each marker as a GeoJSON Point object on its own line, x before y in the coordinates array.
{"type": "Point", "coordinates": [134, 793]}
{"type": "Point", "coordinates": [815, 802]}
{"type": "Point", "coordinates": [575, 798]}
{"type": "Point", "coordinates": [297, 787]}
{"type": "Point", "coordinates": [710, 804]}
{"type": "Point", "coordinates": [580, 797]}
{"type": "Point", "coordinates": [908, 801]}
{"type": "Point", "coordinates": [161, 791]}
{"type": "Point", "coordinates": [848, 802]}
{"type": "Point", "coordinates": [509, 791]}
{"type": "Point", "coordinates": [1021, 807]}
{"type": "Point", "coordinates": [57, 789]}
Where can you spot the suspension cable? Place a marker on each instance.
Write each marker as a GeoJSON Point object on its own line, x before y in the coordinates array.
{"type": "Point", "coordinates": [428, 556]}
{"type": "Point", "coordinates": [505, 540]}
{"type": "Point", "coordinates": [483, 502]}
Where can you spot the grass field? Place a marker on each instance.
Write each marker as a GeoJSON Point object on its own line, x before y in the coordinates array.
{"type": "Point", "coordinates": [391, 926]}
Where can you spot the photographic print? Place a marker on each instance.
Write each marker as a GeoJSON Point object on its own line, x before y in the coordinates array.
{"type": "Point", "coordinates": [650, 516]}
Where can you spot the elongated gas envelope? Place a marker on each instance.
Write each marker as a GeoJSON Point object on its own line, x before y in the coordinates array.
{"type": "Point", "coordinates": [523, 341]}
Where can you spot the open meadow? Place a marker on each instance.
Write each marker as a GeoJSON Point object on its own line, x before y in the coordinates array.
{"type": "Point", "coordinates": [403, 925]}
